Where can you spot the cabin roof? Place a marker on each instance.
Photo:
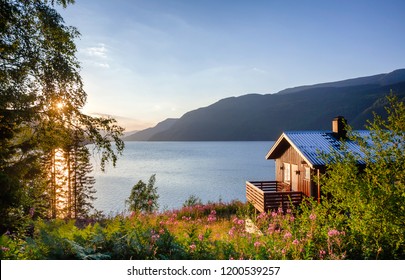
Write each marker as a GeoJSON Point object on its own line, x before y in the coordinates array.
{"type": "Point", "coordinates": [311, 144]}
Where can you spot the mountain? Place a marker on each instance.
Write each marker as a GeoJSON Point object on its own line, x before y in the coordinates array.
{"type": "Point", "coordinates": [265, 116]}
{"type": "Point", "coordinates": [128, 133]}
{"type": "Point", "coordinates": [146, 134]}
{"type": "Point", "coordinates": [394, 77]}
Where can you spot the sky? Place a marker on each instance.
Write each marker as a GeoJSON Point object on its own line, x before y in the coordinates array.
{"type": "Point", "coordinates": [143, 61]}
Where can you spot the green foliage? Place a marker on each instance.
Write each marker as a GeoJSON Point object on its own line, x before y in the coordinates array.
{"type": "Point", "coordinates": [215, 233]}
{"type": "Point", "coordinates": [222, 210]}
{"type": "Point", "coordinates": [41, 97]}
{"type": "Point", "coordinates": [192, 200]}
{"type": "Point", "coordinates": [368, 202]}
{"type": "Point", "coordinates": [79, 195]}
{"type": "Point", "coordinates": [144, 197]}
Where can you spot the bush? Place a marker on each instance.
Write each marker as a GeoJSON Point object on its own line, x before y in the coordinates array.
{"type": "Point", "coordinates": [144, 197]}
{"type": "Point", "coordinates": [368, 202]}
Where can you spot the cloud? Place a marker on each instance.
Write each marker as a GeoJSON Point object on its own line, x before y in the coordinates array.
{"type": "Point", "coordinates": [102, 65]}
{"type": "Point", "coordinates": [259, 70]}
{"type": "Point", "coordinates": [97, 56]}
{"type": "Point", "coordinates": [100, 51]}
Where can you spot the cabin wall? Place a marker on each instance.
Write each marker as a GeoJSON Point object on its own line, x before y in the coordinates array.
{"type": "Point", "coordinates": [291, 156]}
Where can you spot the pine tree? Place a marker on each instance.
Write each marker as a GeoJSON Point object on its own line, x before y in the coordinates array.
{"type": "Point", "coordinates": [82, 183]}
{"type": "Point", "coordinates": [41, 97]}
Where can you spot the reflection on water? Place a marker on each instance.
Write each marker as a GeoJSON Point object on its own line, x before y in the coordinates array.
{"type": "Point", "coordinates": [209, 170]}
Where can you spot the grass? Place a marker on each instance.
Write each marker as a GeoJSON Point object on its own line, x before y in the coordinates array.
{"type": "Point", "coordinates": [211, 231]}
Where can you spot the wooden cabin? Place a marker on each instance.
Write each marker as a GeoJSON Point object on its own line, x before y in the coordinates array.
{"type": "Point", "coordinates": [298, 165]}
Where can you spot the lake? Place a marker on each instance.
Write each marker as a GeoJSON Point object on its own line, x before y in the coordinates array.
{"type": "Point", "coordinates": [212, 171]}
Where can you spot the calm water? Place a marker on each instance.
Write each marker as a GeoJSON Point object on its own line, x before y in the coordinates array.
{"type": "Point", "coordinates": [209, 170]}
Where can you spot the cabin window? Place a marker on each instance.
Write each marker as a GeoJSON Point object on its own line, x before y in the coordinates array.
{"type": "Point", "coordinates": [287, 172]}
{"type": "Point", "coordinates": [307, 173]}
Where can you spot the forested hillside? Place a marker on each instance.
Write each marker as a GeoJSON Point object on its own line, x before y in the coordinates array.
{"type": "Point", "coordinates": [265, 116]}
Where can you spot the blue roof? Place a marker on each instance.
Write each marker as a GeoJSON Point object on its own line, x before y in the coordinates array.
{"type": "Point", "coordinates": [311, 144]}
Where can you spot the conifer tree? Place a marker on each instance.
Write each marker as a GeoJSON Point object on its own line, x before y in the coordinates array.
{"type": "Point", "coordinates": [41, 97]}
{"type": "Point", "coordinates": [82, 183]}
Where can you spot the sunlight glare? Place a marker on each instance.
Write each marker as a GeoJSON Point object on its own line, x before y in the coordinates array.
{"type": "Point", "coordinates": [60, 105]}
{"type": "Point", "coordinates": [60, 170]}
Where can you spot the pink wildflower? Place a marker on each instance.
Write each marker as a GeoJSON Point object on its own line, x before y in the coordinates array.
{"type": "Point", "coordinates": [273, 214]}
{"type": "Point", "coordinates": [270, 229]}
{"type": "Point", "coordinates": [295, 242]}
{"type": "Point", "coordinates": [231, 231]}
{"type": "Point", "coordinates": [155, 237]}
{"type": "Point", "coordinates": [5, 249]}
{"type": "Point", "coordinates": [312, 217]}
{"type": "Point", "coordinates": [333, 232]}
{"type": "Point", "coordinates": [322, 253]}
{"type": "Point", "coordinates": [283, 251]}
{"type": "Point", "coordinates": [200, 237]}
{"type": "Point", "coordinates": [287, 235]}
{"type": "Point", "coordinates": [292, 218]}
{"type": "Point", "coordinates": [192, 247]}
{"type": "Point", "coordinates": [257, 244]}
{"type": "Point", "coordinates": [212, 217]}
{"type": "Point", "coordinates": [238, 222]}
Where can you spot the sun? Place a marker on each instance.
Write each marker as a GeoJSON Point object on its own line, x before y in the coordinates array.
{"type": "Point", "coordinates": [60, 105]}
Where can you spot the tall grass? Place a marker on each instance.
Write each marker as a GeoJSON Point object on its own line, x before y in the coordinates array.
{"type": "Point", "coordinates": [211, 231]}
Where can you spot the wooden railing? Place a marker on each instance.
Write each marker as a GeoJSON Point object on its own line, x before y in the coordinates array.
{"type": "Point", "coordinates": [269, 195]}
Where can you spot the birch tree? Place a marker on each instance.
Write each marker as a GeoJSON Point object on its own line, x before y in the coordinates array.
{"type": "Point", "coordinates": [41, 97]}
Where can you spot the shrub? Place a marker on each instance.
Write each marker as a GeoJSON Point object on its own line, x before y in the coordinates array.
{"type": "Point", "coordinates": [368, 202]}
{"type": "Point", "coordinates": [144, 197]}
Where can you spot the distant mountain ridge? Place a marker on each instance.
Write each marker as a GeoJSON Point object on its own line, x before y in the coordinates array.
{"type": "Point", "coordinates": [380, 79]}
{"type": "Point", "coordinates": [146, 134]}
{"type": "Point", "coordinates": [264, 116]}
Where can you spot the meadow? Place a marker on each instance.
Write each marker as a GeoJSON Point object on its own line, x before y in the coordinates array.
{"type": "Point", "coordinates": [211, 231]}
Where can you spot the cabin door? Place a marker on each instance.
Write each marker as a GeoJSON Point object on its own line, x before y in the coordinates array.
{"type": "Point", "coordinates": [294, 177]}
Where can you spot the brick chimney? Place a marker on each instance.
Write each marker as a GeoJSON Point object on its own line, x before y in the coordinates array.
{"type": "Point", "coordinates": [339, 127]}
